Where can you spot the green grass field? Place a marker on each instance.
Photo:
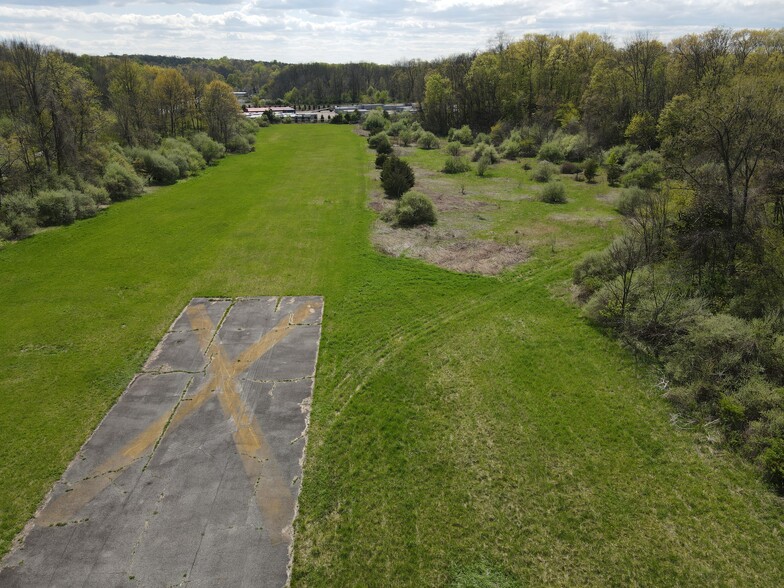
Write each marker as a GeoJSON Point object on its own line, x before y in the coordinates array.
{"type": "Point", "coordinates": [466, 431]}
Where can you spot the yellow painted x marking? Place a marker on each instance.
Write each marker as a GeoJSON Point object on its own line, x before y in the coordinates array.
{"type": "Point", "coordinates": [273, 494]}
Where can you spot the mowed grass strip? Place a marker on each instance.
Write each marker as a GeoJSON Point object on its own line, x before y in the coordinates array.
{"type": "Point", "coordinates": [465, 430]}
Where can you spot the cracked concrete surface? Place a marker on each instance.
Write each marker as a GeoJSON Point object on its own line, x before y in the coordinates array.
{"type": "Point", "coordinates": [192, 478]}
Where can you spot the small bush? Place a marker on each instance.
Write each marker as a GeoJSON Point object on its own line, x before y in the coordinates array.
{"type": "Point", "coordinates": [569, 168]}
{"type": "Point", "coordinates": [415, 209]}
{"type": "Point", "coordinates": [576, 147]}
{"type": "Point", "coordinates": [553, 193]}
{"type": "Point", "coordinates": [456, 165]}
{"type": "Point", "coordinates": [380, 159]}
{"type": "Point", "coordinates": [510, 149]}
{"type": "Point", "coordinates": [375, 122]}
{"type": "Point", "coordinates": [384, 146]}
{"type": "Point", "coordinates": [483, 164]}
{"type": "Point", "coordinates": [152, 163]}
{"type": "Point", "coordinates": [18, 215]}
{"type": "Point", "coordinates": [99, 194]}
{"type": "Point", "coordinates": [239, 144]}
{"type": "Point", "coordinates": [396, 128]}
{"type": "Point", "coordinates": [407, 137]}
{"type": "Point", "coordinates": [397, 177]}
{"type": "Point", "coordinates": [184, 155]}
{"type": "Point", "coordinates": [453, 148]}
{"type": "Point", "coordinates": [180, 161]}
{"type": "Point", "coordinates": [619, 154]}
{"type": "Point", "coordinates": [55, 207]}
{"type": "Point", "coordinates": [121, 183]}
{"type": "Point", "coordinates": [647, 176]}
{"type": "Point", "coordinates": [590, 168]}
{"type": "Point", "coordinates": [592, 272]}
{"type": "Point", "coordinates": [614, 172]}
{"type": "Point", "coordinates": [428, 141]}
{"type": "Point", "coordinates": [716, 354]}
{"type": "Point", "coordinates": [374, 140]}
{"type": "Point", "coordinates": [84, 205]}
{"type": "Point", "coordinates": [551, 151]}
{"type": "Point", "coordinates": [485, 149]}
{"type": "Point", "coordinates": [543, 171]}
{"type": "Point", "coordinates": [772, 460]}
{"type": "Point", "coordinates": [462, 135]}
{"type": "Point", "coordinates": [634, 160]}
{"type": "Point", "coordinates": [208, 148]}
{"type": "Point", "coordinates": [630, 200]}
{"type": "Point", "coordinates": [527, 147]}
{"type": "Point", "coordinates": [483, 138]}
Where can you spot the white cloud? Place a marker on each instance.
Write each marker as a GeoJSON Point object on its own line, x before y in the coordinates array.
{"type": "Point", "coordinates": [351, 30]}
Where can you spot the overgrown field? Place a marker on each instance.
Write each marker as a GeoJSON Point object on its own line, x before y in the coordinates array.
{"type": "Point", "coordinates": [465, 430]}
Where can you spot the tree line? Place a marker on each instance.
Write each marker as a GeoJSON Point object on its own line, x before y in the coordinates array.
{"type": "Point", "coordinates": [75, 130]}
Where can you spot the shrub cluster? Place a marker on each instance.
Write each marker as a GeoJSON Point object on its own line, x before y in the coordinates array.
{"type": "Point", "coordinates": [17, 216]}
{"type": "Point", "coordinates": [719, 367]}
{"type": "Point", "coordinates": [561, 146]}
{"type": "Point", "coordinates": [62, 207]}
{"type": "Point", "coordinates": [21, 213]}
{"type": "Point", "coordinates": [244, 139]}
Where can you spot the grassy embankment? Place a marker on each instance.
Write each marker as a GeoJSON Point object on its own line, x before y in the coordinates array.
{"type": "Point", "coordinates": [464, 429]}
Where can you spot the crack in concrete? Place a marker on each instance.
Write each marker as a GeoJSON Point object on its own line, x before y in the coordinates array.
{"type": "Point", "coordinates": [168, 422]}
{"type": "Point", "coordinates": [280, 381]}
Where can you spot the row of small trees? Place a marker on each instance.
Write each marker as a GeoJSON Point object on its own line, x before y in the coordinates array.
{"type": "Point", "coordinates": [397, 177]}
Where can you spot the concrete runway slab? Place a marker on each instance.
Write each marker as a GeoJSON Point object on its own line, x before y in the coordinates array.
{"type": "Point", "coordinates": [193, 476]}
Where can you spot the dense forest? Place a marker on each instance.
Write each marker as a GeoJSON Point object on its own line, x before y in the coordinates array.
{"type": "Point", "coordinates": [691, 132]}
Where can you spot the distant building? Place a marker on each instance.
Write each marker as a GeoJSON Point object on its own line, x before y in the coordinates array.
{"type": "Point", "coordinates": [365, 108]}
{"type": "Point", "coordinates": [278, 111]}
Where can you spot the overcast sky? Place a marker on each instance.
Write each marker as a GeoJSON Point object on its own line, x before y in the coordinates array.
{"type": "Point", "coordinates": [353, 30]}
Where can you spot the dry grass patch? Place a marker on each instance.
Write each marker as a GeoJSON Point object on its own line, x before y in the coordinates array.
{"type": "Point", "coordinates": [610, 197]}
{"type": "Point", "coordinates": [598, 221]}
{"type": "Point", "coordinates": [449, 248]}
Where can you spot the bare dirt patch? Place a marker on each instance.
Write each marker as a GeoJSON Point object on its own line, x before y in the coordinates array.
{"type": "Point", "coordinates": [599, 221]}
{"type": "Point", "coordinates": [610, 197]}
{"type": "Point", "coordinates": [446, 202]}
{"type": "Point", "coordinates": [450, 249]}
